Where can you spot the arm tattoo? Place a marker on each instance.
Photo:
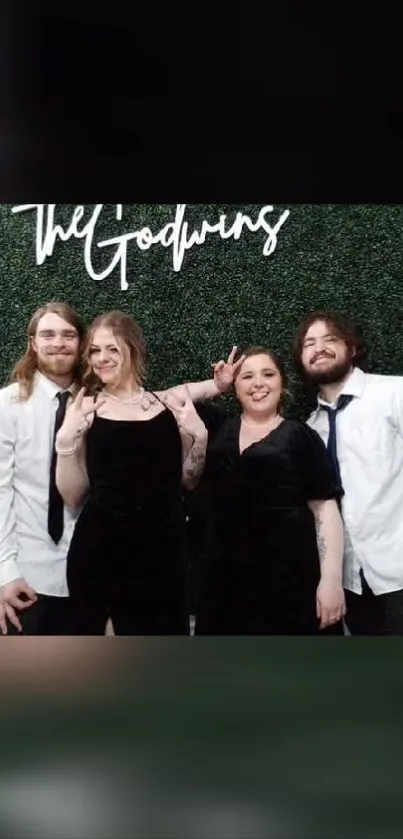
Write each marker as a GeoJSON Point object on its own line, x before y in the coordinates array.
{"type": "Point", "coordinates": [193, 465]}
{"type": "Point", "coordinates": [148, 400]}
{"type": "Point", "coordinates": [322, 547]}
{"type": "Point", "coordinates": [195, 455]}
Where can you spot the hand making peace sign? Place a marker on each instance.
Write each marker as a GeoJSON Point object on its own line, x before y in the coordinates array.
{"type": "Point", "coordinates": [79, 418]}
{"type": "Point", "coordinates": [224, 371]}
{"type": "Point", "coordinates": [189, 422]}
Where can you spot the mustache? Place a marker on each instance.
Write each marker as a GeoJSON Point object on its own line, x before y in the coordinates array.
{"type": "Point", "coordinates": [59, 352]}
{"type": "Point", "coordinates": [322, 355]}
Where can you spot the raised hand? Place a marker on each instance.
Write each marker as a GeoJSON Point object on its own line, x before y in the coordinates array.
{"type": "Point", "coordinates": [186, 416]}
{"type": "Point", "coordinates": [224, 371]}
{"type": "Point", "coordinates": [193, 433]}
{"type": "Point", "coordinates": [79, 418]}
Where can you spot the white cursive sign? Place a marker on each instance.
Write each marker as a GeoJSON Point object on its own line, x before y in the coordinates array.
{"type": "Point", "coordinates": [174, 235]}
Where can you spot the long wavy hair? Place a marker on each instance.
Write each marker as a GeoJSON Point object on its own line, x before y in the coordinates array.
{"type": "Point", "coordinates": [24, 370]}
{"type": "Point", "coordinates": [127, 332]}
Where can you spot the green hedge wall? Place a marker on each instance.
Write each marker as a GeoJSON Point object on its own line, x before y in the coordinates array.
{"type": "Point", "coordinates": [346, 257]}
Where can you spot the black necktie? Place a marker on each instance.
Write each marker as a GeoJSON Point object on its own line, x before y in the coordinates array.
{"type": "Point", "coordinates": [55, 509]}
{"type": "Point", "coordinates": [343, 400]}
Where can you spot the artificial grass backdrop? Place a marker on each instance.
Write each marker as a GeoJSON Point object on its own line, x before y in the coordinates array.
{"type": "Point", "coordinates": [347, 257]}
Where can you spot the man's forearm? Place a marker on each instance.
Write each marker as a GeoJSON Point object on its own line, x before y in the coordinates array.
{"type": "Point", "coordinates": [9, 569]}
{"type": "Point", "coordinates": [8, 536]}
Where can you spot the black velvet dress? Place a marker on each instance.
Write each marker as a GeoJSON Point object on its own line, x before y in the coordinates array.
{"type": "Point", "coordinates": [127, 556]}
{"type": "Point", "coordinates": [262, 557]}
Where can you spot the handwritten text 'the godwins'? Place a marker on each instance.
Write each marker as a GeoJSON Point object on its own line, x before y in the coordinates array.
{"type": "Point", "coordinates": [174, 234]}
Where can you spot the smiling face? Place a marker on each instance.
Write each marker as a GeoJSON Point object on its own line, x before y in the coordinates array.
{"type": "Point", "coordinates": [114, 353]}
{"type": "Point", "coordinates": [56, 346]}
{"type": "Point", "coordinates": [325, 356]}
{"type": "Point", "coordinates": [259, 385]}
{"type": "Point", "coordinates": [110, 358]}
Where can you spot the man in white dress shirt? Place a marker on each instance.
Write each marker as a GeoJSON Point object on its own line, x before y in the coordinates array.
{"type": "Point", "coordinates": [360, 418]}
{"type": "Point", "coordinates": [35, 528]}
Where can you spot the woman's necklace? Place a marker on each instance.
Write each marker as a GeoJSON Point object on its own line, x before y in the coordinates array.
{"type": "Point", "coordinates": [134, 400]}
{"type": "Point", "coordinates": [271, 423]}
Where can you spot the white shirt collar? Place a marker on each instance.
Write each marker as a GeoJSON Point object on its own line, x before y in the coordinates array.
{"type": "Point", "coordinates": [353, 386]}
{"type": "Point", "coordinates": [49, 387]}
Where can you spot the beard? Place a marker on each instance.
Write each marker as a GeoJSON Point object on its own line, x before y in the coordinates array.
{"type": "Point", "coordinates": [333, 374]}
{"type": "Point", "coordinates": [58, 365]}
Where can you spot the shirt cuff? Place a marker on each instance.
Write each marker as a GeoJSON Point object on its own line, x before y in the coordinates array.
{"type": "Point", "coordinates": [9, 572]}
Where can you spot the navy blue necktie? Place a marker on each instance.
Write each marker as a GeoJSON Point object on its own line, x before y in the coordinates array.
{"type": "Point", "coordinates": [343, 400]}
{"type": "Point", "coordinates": [56, 506]}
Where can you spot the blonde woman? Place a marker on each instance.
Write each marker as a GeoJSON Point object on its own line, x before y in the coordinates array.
{"type": "Point", "coordinates": [126, 453]}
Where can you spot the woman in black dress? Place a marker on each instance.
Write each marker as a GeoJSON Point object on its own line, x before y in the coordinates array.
{"type": "Point", "coordinates": [275, 533]}
{"type": "Point", "coordinates": [127, 455]}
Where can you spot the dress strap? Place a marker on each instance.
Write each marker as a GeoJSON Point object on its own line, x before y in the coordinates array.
{"type": "Point", "coordinates": [158, 398]}
{"type": "Point", "coordinates": [167, 408]}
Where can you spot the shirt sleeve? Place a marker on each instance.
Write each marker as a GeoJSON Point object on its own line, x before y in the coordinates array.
{"type": "Point", "coordinates": [397, 403]}
{"type": "Point", "coordinates": [316, 471]}
{"type": "Point", "coordinates": [8, 537]}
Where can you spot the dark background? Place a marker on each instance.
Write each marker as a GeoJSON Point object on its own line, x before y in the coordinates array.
{"type": "Point", "coordinates": [346, 257]}
{"type": "Point", "coordinates": [231, 102]}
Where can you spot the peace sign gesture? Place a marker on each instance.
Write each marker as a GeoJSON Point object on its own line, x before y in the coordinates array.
{"type": "Point", "coordinates": [79, 418]}
{"type": "Point", "coordinates": [187, 418]}
{"type": "Point", "coordinates": [193, 434]}
{"type": "Point", "coordinates": [224, 371]}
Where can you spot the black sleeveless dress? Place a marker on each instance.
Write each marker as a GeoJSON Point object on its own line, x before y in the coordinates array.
{"type": "Point", "coordinates": [127, 556]}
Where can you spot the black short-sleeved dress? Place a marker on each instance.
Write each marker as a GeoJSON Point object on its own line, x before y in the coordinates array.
{"type": "Point", "coordinates": [262, 558]}
{"type": "Point", "coordinates": [127, 558]}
